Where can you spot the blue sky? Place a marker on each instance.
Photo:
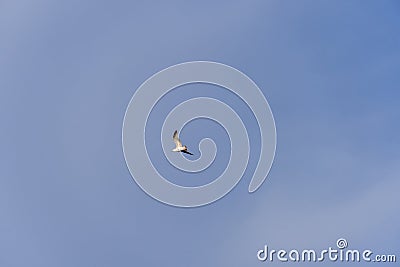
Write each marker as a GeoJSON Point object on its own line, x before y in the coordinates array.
{"type": "Point", "coordinates": [68, 70]}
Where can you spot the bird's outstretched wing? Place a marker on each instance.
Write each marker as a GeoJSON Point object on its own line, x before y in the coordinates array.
{"type": "Point", "coordinates": [176, 139]}
{"type": "Point", "coordinates": [187, 152]}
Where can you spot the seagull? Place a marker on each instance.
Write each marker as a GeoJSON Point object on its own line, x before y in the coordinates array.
{"type": "Point", "coordinates": [178, 145]}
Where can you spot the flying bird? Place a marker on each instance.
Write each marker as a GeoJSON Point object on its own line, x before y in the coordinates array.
{"type": "Point", "coordinates": [178, 144]}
